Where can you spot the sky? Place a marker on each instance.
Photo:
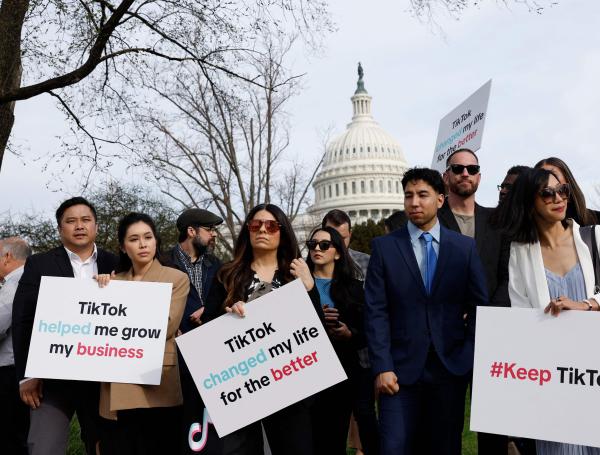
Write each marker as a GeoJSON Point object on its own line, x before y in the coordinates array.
{"type": "Point", "coordinates": [545, 99]}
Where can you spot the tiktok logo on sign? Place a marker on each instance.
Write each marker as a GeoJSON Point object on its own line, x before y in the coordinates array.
{"type": "Point", "coordinates": [202, 430]}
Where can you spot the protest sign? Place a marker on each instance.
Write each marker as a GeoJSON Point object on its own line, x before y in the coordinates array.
{"type": "Point", "coordinates": [463, 127]}
{"type": "Point", "coordinates": [248, 368]}
{"type": "Point", "coordinates": [537, 376]}
{"type": "Point", "coordinates": [111, 334]}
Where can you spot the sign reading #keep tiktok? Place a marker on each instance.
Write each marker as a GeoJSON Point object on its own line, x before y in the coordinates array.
{"type": "Point", "coordinates": [111, 334]}
{"type": "Point", "coordinates": [248, 368]}
{"type": "Point", "coordinates": [537, 376]}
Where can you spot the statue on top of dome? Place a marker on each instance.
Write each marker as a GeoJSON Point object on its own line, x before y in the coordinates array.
{"type": "Point", "coordinates": [360, 85]}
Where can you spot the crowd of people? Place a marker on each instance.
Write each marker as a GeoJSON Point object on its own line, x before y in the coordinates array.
{"type": "Point", "coordinates": [402, 321]}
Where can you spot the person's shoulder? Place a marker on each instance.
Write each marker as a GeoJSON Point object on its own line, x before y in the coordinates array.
{"type": "Point", "coordinates": [455, 237]}
{"type": "Point", "coordinates": [358, 254]}
{"type": "Point", "coordinates": [44, 256]}
{"type": "Point", "coordinates": [213, 261]}
{"type": "Point", "coordinates": [105, 255]}
{"type": "Point", "coordinates": [173, 274]}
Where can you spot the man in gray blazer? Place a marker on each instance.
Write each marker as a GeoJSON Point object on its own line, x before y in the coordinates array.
{"type": "Point", "coordinates": [14, 416]}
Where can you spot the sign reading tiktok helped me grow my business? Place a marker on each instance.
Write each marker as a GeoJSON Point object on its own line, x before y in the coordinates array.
{"type": "Point", "coordinates": [111, 334]}
{"type": "Point", "coordinates": [463, 127]}
{"type": "Point", "coordinates": [248, 368]}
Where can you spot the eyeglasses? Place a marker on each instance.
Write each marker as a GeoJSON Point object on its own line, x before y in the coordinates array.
{"type": "Point", "coordinates": [505, 186]}
{"type": "Point", "coordinates": [211, 229]}
{"type": "Point", "coordinates": [323, 245]}
{"type": "Point", "coordinates": [472, 169]}
{"type": "Point", "coordinates": [548, 194]}
{"type": "Point", "coordinates": [271, 226]}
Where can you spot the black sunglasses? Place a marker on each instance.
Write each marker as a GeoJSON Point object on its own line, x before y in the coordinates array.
{"type": "Point", "coordinates": [548, 194]}
{"type": "Point", "coordinates": [472, 169]}
{"type": "Point", "coordinates": [323, 244]}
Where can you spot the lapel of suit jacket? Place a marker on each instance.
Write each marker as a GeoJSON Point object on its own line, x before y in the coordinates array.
{"type": "Point", "coordinates": [154, 272]}
{"type": "Point", "coordinates": [63, 263]}
{"type": "Point", "coordinates": [481, 227]}
{"type": "Point", "coordinates": [585, 259]}
{"type": "Point", "coordinates": [445, 245]}
{"type": "Point", "coordinates": [539, 274]}
{"type": "Point", "coordinates": [446, 217]}
{"type": "Point", "coordinates": [103, 262]}
{"type": "Point", "coordinates": [406, 251]}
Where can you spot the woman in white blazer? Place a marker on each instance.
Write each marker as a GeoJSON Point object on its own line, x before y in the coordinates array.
{"type": "Point", "coordinates": [550, 266]}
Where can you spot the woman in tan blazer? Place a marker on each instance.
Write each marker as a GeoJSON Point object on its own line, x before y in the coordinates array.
{"type": "Point", "coordinates": [144, 419]}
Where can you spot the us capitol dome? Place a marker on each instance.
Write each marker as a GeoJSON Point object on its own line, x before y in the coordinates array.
{"type": "Point", "coordinates": [362, 168]}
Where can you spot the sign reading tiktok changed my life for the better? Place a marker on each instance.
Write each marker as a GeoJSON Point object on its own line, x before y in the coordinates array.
{"type": "Point", "coordinates": [248, 368]}
{"type": "Point", "coordinates": [111, 334]}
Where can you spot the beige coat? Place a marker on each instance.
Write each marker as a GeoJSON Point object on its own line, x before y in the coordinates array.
{"type": "Point", "coordinates": [117, 396]}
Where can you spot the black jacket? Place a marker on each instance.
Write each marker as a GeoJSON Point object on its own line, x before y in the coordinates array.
{"type": "Point", "coordinates": [351, 314]}
{"type": "Point", "coordinates": [52, 263]}
{"type": "Point", "coordinates": [218, 294]}
{"type": "Point", "coordinates": [493, 249]}
{"type": "Point", "coordinates": [210, 265]}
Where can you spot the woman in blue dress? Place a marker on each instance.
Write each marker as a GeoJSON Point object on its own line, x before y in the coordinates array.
{"type": "Point", "coordinates": [550, 265]}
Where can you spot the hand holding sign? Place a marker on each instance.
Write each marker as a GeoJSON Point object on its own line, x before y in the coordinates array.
{"type": "Point", "coordinates": [276, 355]}
{"type": "Point", "coordinates": [86, 332]}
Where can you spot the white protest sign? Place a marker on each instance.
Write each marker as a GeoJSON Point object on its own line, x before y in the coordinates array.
{"type": "Point", "coordinates": [463, 127]}
{"type": "Point", "coordinates": [111, 334]}
{"type": "Point", "coordinates": [248, 368]}
{"type": "Point", "coordinates": [537, 376]}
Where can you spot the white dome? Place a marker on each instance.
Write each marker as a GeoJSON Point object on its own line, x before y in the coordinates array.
{"type": "Point", "coordinates": [362, 168]}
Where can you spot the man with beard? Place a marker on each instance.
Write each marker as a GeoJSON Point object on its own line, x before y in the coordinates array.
{"type": "Point", "coordinates": [462, 214]}
{"type": "Point", "coordinates": [194, 256]}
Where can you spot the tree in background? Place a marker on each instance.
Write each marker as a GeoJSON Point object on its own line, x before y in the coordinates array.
{"type": "Point", "coordinates": [219, 142]}
{"type": "Point", "coordinates": [112, 203]}
{"type": "Point", "coordinates": [92, 55]}
{"type": "Point", "coordinates": [363, 233]}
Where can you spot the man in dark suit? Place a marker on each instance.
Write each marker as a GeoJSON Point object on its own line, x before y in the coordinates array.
{"type": "Point", "coordinates": [53, 402]}
{"type": "Point", "coordinates": [423, 285]}
{"type": "Point", "coordinates": [461, 213]}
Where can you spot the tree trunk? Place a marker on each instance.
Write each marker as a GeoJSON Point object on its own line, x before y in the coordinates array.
{"type": "Point", "coordinates": [12, 16]}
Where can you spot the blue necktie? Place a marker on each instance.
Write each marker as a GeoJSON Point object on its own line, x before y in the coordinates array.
{"type": "Point", "coordinates": [431, 260]}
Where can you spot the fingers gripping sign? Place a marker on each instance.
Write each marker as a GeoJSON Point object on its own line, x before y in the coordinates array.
{"type": "Point", "coordinates": [299, 269]}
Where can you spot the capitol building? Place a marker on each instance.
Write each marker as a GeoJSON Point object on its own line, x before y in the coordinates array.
{"type": "Point", "coordinates": [362, 168]}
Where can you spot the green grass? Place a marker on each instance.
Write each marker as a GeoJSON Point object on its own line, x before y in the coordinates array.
{"type": "Point", "coordinates": [469, 438]}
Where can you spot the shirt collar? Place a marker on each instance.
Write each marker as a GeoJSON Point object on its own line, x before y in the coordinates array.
{"type": "Point", "coordinates": [415, 232]}
{"type": "Point", "coordinates": [188, 258]}
{"type": "Point", "coordinates": [13, 273]}
{"type": "Point", "coordinates": [75, 257]}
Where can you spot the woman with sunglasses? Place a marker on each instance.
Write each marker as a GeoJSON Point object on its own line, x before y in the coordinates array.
{"type": "Point", "coordinates": [342, 297]}
{"type": "Point", "coordinates": [577, 208]}
{"type": "Point", "coordinates": [550, 265]}
{"type": "Point", "coordinates": [265, 257]}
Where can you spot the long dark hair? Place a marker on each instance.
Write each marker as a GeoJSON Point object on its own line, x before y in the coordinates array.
{"type": "Point", "coordinates": [124, 263]}
{"type": "Point", "coordinates": [344, 269]}
{"type": "Point", "coordinates": [515, 212]}
{"type": "Point", "coordinates": [576, 208]}
{"type": "Point", "coordinates": [237, 274]}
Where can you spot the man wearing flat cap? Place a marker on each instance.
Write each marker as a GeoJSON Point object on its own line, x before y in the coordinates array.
{"type": "Point", "coordinates": [194, 256]}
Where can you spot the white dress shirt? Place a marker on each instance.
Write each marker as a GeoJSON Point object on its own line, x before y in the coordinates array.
{"type": "Point", "coordinates": [7, 295]}
{"type": "Point", "coordinates": [83, 269]}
